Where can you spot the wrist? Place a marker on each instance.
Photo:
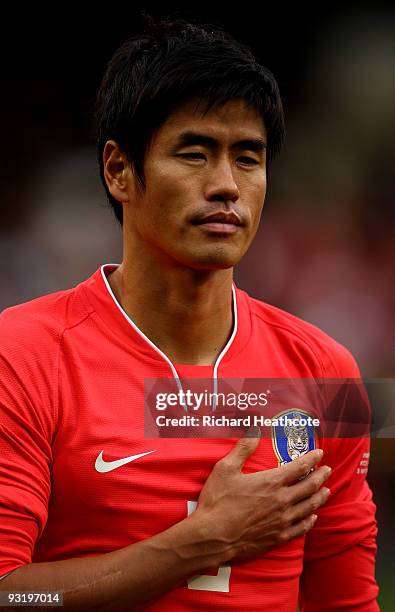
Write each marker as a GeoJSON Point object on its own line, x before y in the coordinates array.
{"type": "Point", "coordinates": [207, 542]}
{"type": "Point", "coordinates": [191, 546]}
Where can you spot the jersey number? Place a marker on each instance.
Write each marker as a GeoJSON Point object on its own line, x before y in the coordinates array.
{"type": "Point", "coordinates": [203, 582]}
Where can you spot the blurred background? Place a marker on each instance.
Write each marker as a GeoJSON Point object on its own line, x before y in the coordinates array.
{"type": "Point", "coordinates": [325, 250]}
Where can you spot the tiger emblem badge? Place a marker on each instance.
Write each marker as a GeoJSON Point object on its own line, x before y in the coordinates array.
{"type": "Point", "coordinates": [295, 438]}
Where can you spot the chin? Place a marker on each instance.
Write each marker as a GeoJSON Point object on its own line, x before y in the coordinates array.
{"type": "Point", "coordinates": [215, 261]}
{"type": "Point", "coordinates": [209, 257]}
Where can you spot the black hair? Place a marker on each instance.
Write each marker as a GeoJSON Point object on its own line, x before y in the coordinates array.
{"type": "Point", "coordinates": [171, 62]}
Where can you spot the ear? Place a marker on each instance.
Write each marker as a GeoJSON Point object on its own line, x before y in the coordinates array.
{"type": "Point", "coordinates": [117, 171]}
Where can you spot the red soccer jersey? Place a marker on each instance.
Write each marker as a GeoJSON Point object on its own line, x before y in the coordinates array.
{"type": "Point", "coordinates": [72, 370]}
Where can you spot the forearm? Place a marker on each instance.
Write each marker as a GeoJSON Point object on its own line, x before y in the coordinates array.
{"type": "Point", "coordinates": [124, 579]}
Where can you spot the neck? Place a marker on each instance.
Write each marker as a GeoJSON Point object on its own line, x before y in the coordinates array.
{"type": "Point", "coordinates": [187, 313]}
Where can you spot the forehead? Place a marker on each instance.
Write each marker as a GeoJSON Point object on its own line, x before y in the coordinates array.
{"type": "Point", "coordinates": [235, 120]}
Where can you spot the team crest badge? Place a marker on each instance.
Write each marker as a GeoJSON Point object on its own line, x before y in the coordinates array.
{"type": "Point", "coordinates": [292, 435]}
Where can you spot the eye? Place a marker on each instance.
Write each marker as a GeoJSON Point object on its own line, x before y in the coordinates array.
{"type": "Point", "coordinates": [249, 161]}
{"type": "Point", "coordinates": [194, 155]}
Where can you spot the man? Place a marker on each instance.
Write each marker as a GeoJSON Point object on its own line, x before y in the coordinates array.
{"type": "Point", "coordinates": [187, 123]}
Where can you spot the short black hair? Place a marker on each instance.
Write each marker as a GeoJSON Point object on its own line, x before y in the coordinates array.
{"type": "Point", "coordinates": [171, 62]}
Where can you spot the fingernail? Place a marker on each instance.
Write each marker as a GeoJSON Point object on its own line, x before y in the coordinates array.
{"type": "Point", "coordinates": [326, 491]}
{"type": "Point", "coordinates": [320, 451]}
{"type": "Point", "coordinates": [253, 432]}
{"type": "Point", "coordinates": [314, 517]}
{"type": "Point", "coordinates": [328, 469]}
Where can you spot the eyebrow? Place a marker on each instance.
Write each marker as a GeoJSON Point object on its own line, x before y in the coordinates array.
{"type": "Point", "coordinates": [188, 139]}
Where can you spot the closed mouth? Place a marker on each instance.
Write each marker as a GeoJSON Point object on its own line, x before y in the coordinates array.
{"type": "Point", "coordinates": [220, 218]}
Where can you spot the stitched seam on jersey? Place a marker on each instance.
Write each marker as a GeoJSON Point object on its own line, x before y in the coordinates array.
{"type": "Point", "coordinates": [110, 332]}
{"type": "Point", "coordinates": [84, 294]}
{"type": "Point", "coordinates": [333, 362]}
{"type": "Point", "coordinates": [283, 327]}
{"type": "Point", "coordinates": [57, 373]}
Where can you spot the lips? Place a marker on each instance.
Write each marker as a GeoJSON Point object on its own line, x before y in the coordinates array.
{"type": "Point", "coordinates": [221, 217]}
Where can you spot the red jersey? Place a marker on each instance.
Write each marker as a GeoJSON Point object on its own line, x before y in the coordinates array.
{"type": "Point", "coordinates": [72, 370]}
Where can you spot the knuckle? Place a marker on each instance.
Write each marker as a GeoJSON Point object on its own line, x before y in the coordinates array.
{"type": "Point", "coordinates": [271, 477]}
{"type": "Point", "coordinates": [275, 481]}
{"type": "Point", "coordinates": [244, 444]}
{"type": "Point", "coordinates": [309, 488]}
{"type": "Point", "coordinates": [218, 465]}
{"type": "Point", "coordinates": [223, 466]}
{"type": "Point", "coordinates": [285, 521]}
{"type": "Point", "coordinates": [283, 499]}
{"type": "Point", "coordinates": [316, 483]}
{"type": "Point", "coordinates": [302, 467]}
{"type": "Point", "coordinates": [282, 537]}
{"type": "Point", "coordinates": [315, 502]}
{"type": "Point", "coordinates": [318, 499]}
{"type": "Point", "coordinates": [282, 523]}
{"type": "Point", "coordinates": [287, 498]}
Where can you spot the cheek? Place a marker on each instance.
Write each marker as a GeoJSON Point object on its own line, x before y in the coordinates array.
{"type": "Point", "coordinates": [255, 193]}
{"type": "Point", "coordinates": [163, 211]}
{"type": "Point", "coordinates": [168, 189]}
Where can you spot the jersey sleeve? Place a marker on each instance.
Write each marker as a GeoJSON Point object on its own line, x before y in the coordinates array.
{"type": "Point", "coordinates": [26, 431]}
{"type": "Point", "coordinates": [340, 550]}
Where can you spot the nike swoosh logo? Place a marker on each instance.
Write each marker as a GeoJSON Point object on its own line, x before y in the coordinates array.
{"type": "Point", "coordinates": [107, 466]}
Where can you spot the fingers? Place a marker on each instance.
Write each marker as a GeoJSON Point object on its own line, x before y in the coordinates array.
{"type": "Point", "coordinates": [292, 530]}
{"type": "Point", "coordinates": [308, 486]}
{"type": "Point", "coordinates": [300, 467]}
{"type": "Point", "coordinates": [298, 529]}
{"type": "Point", "coordinates": [243, 448]}
{"type": "Point", "coordinates": [306, 508]}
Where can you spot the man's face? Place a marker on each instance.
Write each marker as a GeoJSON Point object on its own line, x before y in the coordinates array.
{"type": "Point", "coordinates": [205, 182]}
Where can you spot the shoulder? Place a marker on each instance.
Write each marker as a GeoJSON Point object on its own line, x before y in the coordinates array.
{"type": "Point", "coordinates": [30, 341]}
{"type": "Point", "coordinates": [40, 323]}
{"type": "Point", "coordinates": [335, 359]}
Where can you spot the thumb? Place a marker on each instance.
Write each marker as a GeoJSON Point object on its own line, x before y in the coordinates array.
{"type": "Point", "coordinates": [244, 447]}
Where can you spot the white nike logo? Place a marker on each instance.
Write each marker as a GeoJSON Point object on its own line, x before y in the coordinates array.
{"type": "Point", "coordinates": [107, 466]}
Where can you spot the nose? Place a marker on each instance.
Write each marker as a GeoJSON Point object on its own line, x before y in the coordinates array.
{"type": "Point", "coordinates": [221, 185]}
